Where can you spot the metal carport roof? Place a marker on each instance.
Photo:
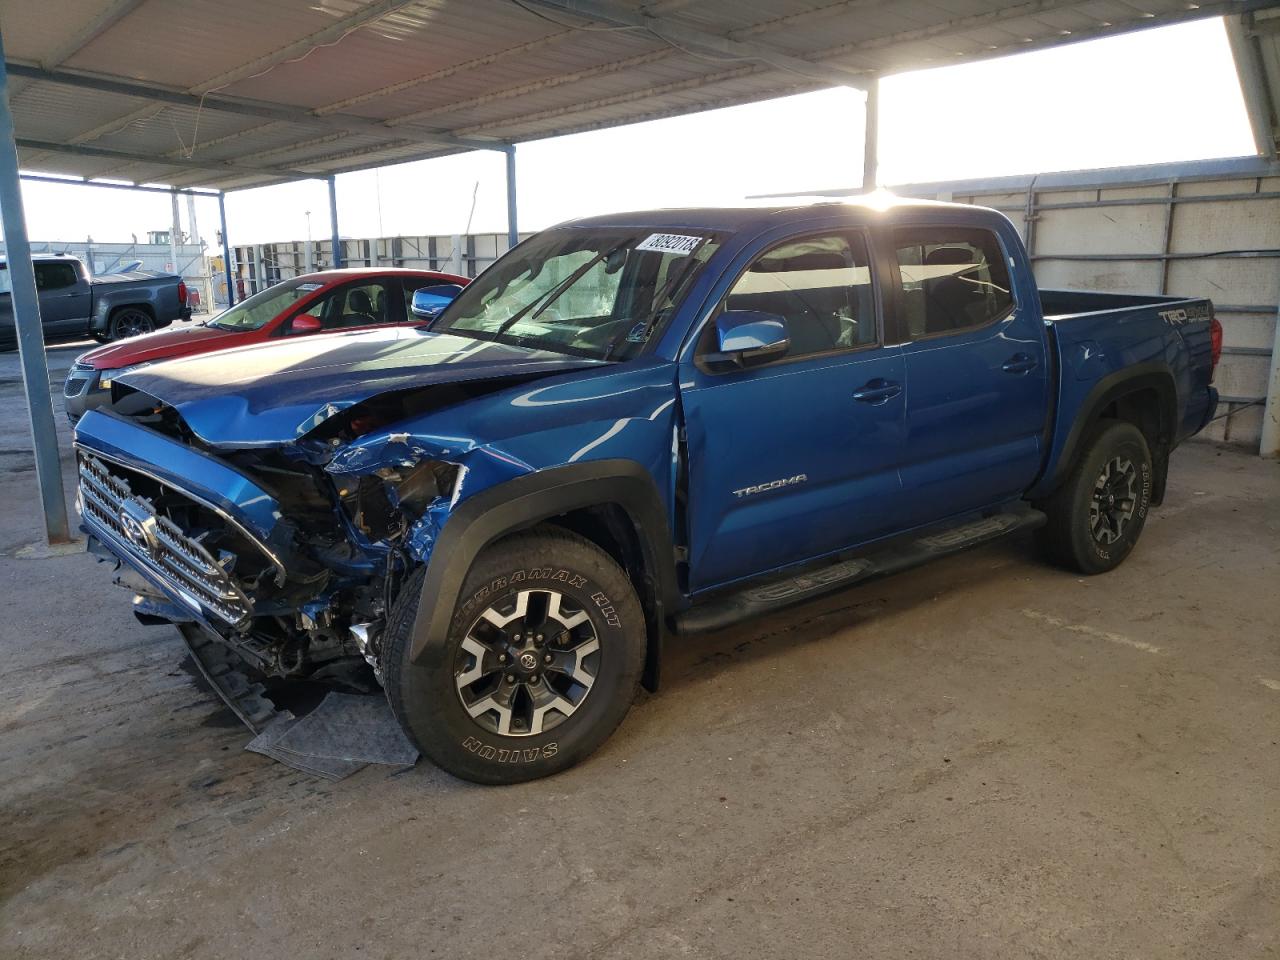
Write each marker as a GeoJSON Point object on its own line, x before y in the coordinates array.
{"type": "Point", "coordinates": [243, 93]}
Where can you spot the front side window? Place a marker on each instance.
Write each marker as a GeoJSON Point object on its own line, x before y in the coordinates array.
{"type": "Point", "coordinates": [54, 276]}
{"type": "Point", "coordinates": [820, 285]}
{"type": "Point", "coordinates": [953, 278]}
{"type": "Point", "coordinates": [596, 293]}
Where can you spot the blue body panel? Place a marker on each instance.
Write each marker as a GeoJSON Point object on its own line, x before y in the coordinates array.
{"type": "Point", "coordinates": [182, 467]}
{"type": "Point", "coordinates": [967, 421]}
{"type": "Point", "coordinates": [1092, 347]}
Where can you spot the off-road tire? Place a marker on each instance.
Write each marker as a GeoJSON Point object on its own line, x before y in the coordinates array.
{"type": "Point", "coordinates": [1069, 538]}
{"type": "Point", "coordinates": [425, 695]}
{"type": "Point", "coordinates": [131, 322]}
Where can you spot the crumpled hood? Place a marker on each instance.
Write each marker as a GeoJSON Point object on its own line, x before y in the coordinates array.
{"type": "Point", "coordinates": [270, 394]}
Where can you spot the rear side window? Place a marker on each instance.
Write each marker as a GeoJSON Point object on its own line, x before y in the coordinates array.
{"type": "Point", "coordinates": [820, 285]}
{"type": "Point", "coordinates": [953, 279]}
{"type": "Point", "coordinates": [54, 276]}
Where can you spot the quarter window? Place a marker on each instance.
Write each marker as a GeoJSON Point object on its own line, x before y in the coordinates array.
{"type": "Point", "coordinates": [820, 285]}
{"type": "Point", "coordinates": [952, 279]}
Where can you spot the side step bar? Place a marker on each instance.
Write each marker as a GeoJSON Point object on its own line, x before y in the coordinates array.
{"type": "Point", "coordinates": [894, 555]}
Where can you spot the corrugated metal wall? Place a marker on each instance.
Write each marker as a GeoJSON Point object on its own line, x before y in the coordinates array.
{"type": "Point", "coordinates": [1203, 230]}
{"type": "Point", "coordinates": [113, 257]}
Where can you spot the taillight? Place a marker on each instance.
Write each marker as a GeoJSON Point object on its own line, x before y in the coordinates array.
{"type": "Point", "coordinates": [1215, 341]}
{"type": "Point", "coordinates": [182, 296]}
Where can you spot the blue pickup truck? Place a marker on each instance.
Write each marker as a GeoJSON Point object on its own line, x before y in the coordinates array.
{"type": "Point", "coordinates": [627, 429]}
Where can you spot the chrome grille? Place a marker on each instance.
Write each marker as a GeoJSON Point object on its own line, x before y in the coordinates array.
{"type": "Point", "coordinates": [77, 379]}
{"type": "Point", "coordinates": [136, 532]}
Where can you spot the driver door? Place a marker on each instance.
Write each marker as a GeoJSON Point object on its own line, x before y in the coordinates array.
{"type": "Point", "coordinates": [797, 457]}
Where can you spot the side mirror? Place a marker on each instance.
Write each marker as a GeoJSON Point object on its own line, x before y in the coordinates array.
{"type": "Point", "coordinates": [429, 302]}
{"type": "Point", "coordinates": [747, 338]}
{"type": "Point", "coordinates": [306, 323]}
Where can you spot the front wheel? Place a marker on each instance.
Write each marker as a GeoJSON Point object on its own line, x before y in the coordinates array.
{"type": "Point", "coordinates": [541, 662]}
{"type": "Point", "coordinates": [1097, 515]}
{"type": "Point", "coordinates": [131, 322]}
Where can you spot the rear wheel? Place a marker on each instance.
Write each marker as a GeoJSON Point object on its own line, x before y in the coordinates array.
{"type": "Point", "coordinates": [1097, 515]}
{"type": "Point", "coordinates": [541, 662]}
{"type": "Point", "coordinates": [130, 322]}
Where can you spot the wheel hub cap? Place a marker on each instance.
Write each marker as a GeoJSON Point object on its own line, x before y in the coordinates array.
{"type": "Point", "coordinates": [527, 663]}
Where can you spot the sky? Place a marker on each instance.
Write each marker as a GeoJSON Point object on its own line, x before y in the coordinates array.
{"type": "Point", "coordinates": [1102, 103]}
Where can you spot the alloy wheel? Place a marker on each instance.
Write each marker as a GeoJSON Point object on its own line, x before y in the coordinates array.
{"type": "Point", "coordinates": [1114, 500]}
{"type": "Point", "coordinates": [527, 663]}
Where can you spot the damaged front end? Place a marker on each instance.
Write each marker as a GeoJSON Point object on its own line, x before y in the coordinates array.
{"type": "Point", "coordinates": [263, 495]}
{"type": "Point", "coordinates": [291, 556]}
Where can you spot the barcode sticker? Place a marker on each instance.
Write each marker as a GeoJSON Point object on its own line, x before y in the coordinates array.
{"type": "Point", "coordinates": [681, 246]}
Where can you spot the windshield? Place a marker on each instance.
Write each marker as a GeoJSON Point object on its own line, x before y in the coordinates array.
{"type": "Point", "coordinates": [262, 307]}
{"type": "Point", "coordinates": [593, 293]}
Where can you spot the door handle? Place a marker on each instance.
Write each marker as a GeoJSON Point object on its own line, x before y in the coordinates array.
{"type": "Point", "coordinates": [1019, 363]}
{"type": "Point", "coordinates": [877, 391]}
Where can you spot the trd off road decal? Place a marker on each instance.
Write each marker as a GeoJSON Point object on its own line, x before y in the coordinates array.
{"type": "Point", "coordinates": [1197, 311]}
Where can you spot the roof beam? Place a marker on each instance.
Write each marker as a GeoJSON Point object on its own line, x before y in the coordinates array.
{"type": "Point", "coordinates": [697, 40]}
{"type": "Point", "coordinates": [1253, 84]}
{"type": "Point", "coordinates": [112, 14]}
{"type": "Point", "coordinates": [81, 150]}
{"type": "Point", "coordinates": [240, 106]}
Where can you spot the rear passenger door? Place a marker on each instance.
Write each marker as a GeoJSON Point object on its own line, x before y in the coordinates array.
{"type": "Point", "coordinates": [796, 458]}
{"type": "Point", "coordinates": [977, 387]}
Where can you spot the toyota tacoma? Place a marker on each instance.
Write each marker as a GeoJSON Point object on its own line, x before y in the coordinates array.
{"type": "Point", "coordinates": [630, 428]}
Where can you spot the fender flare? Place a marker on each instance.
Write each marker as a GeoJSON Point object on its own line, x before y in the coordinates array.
{"type": "Point", "coordinates": [1151, 375]}
{"type": "Point", "coordinates": [526, 501]}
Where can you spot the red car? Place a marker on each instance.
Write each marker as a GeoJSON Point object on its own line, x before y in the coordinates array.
{"type": "Point", "coordinates": [314, 303]}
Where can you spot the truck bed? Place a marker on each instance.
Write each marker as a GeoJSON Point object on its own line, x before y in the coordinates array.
{"type": "Point", "coordinates": [1099, 337]}
{"type": "Point", "coordinates": [1061, 304]}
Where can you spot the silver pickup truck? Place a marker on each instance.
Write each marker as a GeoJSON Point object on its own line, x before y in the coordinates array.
{"type": "Point", "coordinates": [110, 307]}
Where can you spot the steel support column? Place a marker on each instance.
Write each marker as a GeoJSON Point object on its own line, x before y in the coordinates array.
{"type": "Point", "coordinates": [1269, 446]}
{"type": "Point", "coordinates": [336, 239]}
{"type": "Point", "coordinates": [30, 334]}
{"type": "Point", "coordinates": [871, 137]}
{"type": "Point", "coordinates": [226, 251]}
{"type": "Point", "coordinates": [175, 229]}
{"type": "Point", "coordinates": [513, 229]}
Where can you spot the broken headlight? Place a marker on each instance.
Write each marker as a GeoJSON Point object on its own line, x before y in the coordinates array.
{"type": "Point", "coordinates": [380, 503]}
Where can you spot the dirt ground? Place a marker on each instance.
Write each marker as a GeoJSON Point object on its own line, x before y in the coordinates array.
{"type": "Point", "coordinates": [982, 758]}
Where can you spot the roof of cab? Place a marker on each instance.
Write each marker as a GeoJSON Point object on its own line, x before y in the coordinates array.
{"type": "Point", "coordinates": [760, 215]}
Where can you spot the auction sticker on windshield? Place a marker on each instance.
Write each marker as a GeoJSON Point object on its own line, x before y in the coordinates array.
{"type": "Point", "coordinates": [670, 243]}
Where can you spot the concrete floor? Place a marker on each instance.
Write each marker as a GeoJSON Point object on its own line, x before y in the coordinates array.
{"type": "Point", "coordinates": [982, 758]}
